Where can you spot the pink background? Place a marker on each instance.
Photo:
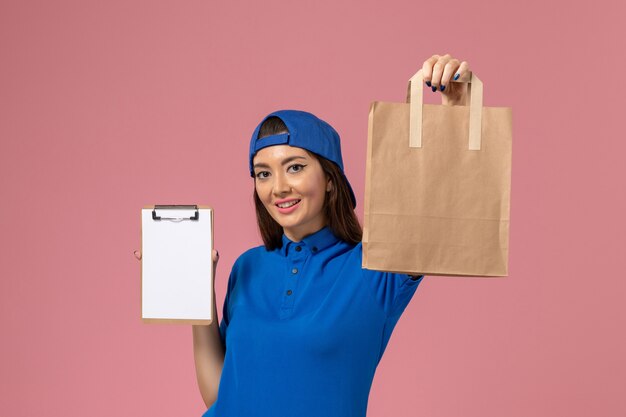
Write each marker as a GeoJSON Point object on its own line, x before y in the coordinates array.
{"type": "Point", "coordinates": [108, 106]}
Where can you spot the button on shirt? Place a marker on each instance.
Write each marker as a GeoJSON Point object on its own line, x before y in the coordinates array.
{"type": "Point", "coordinates": [304, 328]}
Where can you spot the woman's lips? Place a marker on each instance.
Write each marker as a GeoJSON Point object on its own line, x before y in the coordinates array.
{"type": "Point", "coordinates": [288, 210]}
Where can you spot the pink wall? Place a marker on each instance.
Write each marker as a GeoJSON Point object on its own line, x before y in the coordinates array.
{"type": "Point", "coordinates": [105, 107]}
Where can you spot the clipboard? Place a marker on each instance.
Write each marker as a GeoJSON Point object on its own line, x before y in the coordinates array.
{"type": "Point", "coordinates": [177, 264]}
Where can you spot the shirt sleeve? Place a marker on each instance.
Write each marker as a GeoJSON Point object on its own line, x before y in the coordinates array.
{"type": "Point", "coordinates": [392, 291]}
{"type": "Point", "coordinates": [226, 308]}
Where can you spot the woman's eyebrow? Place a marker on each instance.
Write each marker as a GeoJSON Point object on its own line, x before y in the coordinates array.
{"type": "Point", "coordinates": [285, 161]}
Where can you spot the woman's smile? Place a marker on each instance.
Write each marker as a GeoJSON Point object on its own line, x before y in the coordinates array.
{"type": "Point", "coordinates": [288, 205]}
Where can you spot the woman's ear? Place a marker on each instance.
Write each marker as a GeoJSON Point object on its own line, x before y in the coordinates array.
{"type": "Point", "coordinates": [329, 186]}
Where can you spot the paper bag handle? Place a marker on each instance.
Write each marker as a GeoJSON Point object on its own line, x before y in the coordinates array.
{"type": "Point", "coordinates": [415, 97]}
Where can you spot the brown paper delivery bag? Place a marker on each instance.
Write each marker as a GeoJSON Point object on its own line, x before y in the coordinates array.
{"type": "Point", "coordinates": [437, 186]}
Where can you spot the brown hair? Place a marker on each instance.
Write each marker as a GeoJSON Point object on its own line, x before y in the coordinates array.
{"type": "Point", "coordinates": [338, 210]}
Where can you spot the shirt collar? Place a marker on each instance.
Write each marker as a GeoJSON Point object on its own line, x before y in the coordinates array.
{"type": "Point", "coordinates": [315, 242]}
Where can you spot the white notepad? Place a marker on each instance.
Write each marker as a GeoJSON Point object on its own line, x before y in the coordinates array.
{"type": "Point", "coordinates": [176, 264]}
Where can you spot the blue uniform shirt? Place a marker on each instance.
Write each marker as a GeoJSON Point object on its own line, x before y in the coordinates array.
{"type": "Point", "coordinates": [304, 328]}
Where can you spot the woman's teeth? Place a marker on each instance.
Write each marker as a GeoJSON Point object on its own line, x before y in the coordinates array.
{"type": "Point", "coordinates": [288, 204]}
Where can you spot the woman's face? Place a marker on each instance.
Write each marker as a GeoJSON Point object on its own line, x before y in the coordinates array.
{"type": "Point", "coordinates": [288, 174]}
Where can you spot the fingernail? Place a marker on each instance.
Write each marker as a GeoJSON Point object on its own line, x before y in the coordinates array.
{"type": "Point", "coordinates": [428, 83]}
{"type": "Point", "coordinates": [434, 88]}
{"type": "Point", "coordinates": [456, 77]}
{"type": "Point", "coordinates": [443, 87]}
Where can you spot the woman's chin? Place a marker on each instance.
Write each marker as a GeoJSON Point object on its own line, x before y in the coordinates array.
{"type": "Point", "coordinates": [286, 224]}
{"type": "Point", "coordinates": [280, 219]}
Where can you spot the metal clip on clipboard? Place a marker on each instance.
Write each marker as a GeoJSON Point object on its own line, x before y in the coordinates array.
{"type": "Point", "coordinates": [175, 207]}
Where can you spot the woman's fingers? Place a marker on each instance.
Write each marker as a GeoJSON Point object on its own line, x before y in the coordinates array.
{"type": "Point", "coordinates": [216, 257]}
{"type": "Point", "coordinates": [137, 254]}
{"type": "Point", "coordinates": [427, 69]}
{"type": "Point", "coordinates": [450, 68]}
{"type": "Point", "coordinates": [433, 69]}
{"type": "Point", "coordinates": [438, 70]}
{"type": "Point", "coordinates": [462, 71]}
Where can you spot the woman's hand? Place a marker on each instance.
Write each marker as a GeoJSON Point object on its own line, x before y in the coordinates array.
{"type": "Point", "coordinates": [214, 254]}
{"type": "Point", "coordinates": [439, 70]}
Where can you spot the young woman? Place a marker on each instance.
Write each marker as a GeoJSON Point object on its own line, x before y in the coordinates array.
{"type": "Point", "coordinates": [304, 326]}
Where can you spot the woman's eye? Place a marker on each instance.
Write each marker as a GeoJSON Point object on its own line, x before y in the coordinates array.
{"type": "Point", "coordinates": [261, 174]}
{"type": "Point", "coordinates": [300, 166]}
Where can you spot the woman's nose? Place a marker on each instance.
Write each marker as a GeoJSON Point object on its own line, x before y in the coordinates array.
{"type": "Point", "coordinates": [281, 184]}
